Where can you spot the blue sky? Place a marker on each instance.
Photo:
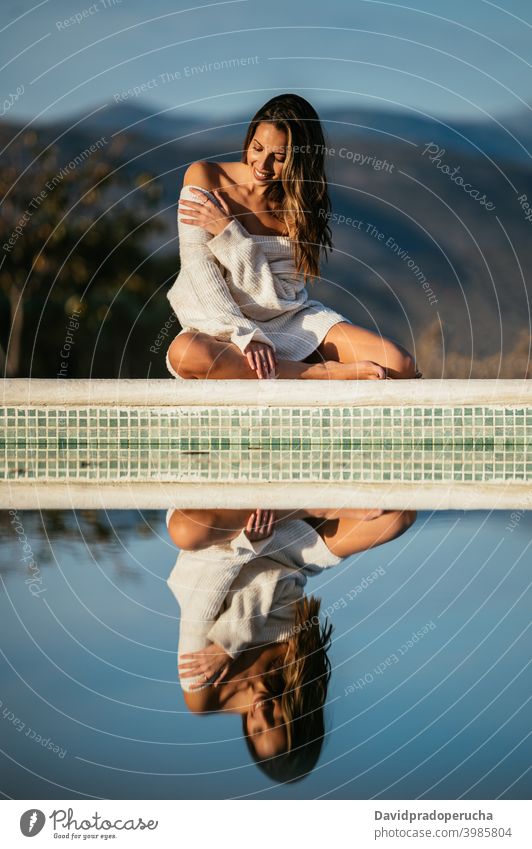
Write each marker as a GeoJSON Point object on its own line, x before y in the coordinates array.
{"type": "Point", "coordinates": [441, 57]}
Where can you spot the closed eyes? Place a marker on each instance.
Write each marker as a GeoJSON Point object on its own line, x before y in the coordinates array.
{"type": "Point", "coordinates": [259, 149]}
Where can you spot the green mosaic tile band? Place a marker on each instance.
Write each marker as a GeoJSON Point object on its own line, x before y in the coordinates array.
{"type": "Point", "coordinates": [376, 444]}
{"type": "Point", "coordinates": [221, 427]}
{"type": "Point", "coordinates": [157, 463]}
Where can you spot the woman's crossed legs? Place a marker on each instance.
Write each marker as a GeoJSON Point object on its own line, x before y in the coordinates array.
{"type": "Point", "coordinates": [344, 531]}
{"type": "Point", "coordinates": [347, 352]}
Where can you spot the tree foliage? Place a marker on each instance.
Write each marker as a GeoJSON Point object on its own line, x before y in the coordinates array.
{"type": "Point", "coordinates": [74, 239]}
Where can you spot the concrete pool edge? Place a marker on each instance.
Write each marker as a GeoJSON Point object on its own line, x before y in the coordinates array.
{"type": "Point", "coordinates": [24, 495]}
{"type": "Point", "coordinates": [16, 392]}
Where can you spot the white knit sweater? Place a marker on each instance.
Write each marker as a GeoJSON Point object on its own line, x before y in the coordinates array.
{"type": "Point", "coordinates": [240, 287]}
{"type": "Point", "coordinates": [242, 593]}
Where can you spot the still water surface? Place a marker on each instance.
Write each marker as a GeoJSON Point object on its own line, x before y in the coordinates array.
{"type": "Point", "coordinates": [428, 697]}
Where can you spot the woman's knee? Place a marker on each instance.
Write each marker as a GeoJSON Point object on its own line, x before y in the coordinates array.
{"type": "Point", "coordinates": [190, 355]}
{"type": "Point", "coordinates": [341, 545]}
{"type": "Point", "coordinates": [348, 343]}
{"type": "Point", "coordinates": [190, 529]}
{"type": "Point", "coordinates": [398, 361]}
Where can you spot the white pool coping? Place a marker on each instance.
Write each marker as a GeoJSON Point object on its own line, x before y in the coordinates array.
{"type": "Point", "coordinates": [16, 392]}
{"type": "Point", "coordinates": [250, 393]}
{"type": "Point", "coordinates": [29, 495]}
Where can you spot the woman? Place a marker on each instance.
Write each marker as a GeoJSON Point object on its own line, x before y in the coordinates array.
{"type": "Point", "coordinates": [251, 234]}
{"type": "Point", "coordinates": [250, 641]}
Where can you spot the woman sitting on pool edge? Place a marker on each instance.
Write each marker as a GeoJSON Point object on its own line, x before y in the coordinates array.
{"type": "Point", "coordinates": [250, 641]}
{"type": "Point", "coordinates": [250, 236]}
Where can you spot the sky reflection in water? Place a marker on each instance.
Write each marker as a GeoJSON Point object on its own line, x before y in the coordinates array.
{"type": "Point", "coordinates": [92, 705]}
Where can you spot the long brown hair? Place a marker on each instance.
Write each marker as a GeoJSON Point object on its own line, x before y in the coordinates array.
{"type": "Point", "coordinates": [301, 681]}
{"type": "Point", "coordinates": [300, 196]}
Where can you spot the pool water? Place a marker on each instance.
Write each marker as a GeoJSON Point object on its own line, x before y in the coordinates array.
{"type": "Point", "coordinates": [91, 705]}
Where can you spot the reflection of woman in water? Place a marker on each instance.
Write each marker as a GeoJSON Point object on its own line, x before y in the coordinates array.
{"type": "Point", "coordinates": [250, 641]}
{"type": "Point", "coordinates": [250, 236]}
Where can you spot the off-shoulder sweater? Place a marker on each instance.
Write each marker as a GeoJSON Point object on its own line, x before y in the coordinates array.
{"type": "Point", "coordinates": [241, 287]}
{"type": "Point", "coordinates": [242, 593]}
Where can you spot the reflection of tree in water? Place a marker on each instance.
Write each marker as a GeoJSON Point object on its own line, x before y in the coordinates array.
{"type": "Point", "coordinates": [108, 535]}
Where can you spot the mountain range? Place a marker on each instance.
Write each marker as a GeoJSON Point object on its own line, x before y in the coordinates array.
{"type": "Point", "coordinates": [420, 205]}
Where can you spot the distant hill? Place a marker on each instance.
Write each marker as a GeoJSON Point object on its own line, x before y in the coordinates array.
{"type": "Point", "coordinates": [417, 229]}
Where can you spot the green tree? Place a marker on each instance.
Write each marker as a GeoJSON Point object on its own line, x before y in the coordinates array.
{"type": "Point", "coordinates": [73, 235]}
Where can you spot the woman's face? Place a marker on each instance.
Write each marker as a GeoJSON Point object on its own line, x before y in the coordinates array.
{"type": "Point", "coordinates": [266, 153]}
{"type": "Point", "coordinates": [264, 726]}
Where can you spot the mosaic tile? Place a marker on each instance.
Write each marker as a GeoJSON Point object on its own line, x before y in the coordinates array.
{"type": "Point", "coordinates": [360, 443]}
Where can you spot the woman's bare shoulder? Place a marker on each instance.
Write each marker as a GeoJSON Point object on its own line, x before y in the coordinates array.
{"type": "Point", "coordinates": [213, 175]}
{"type": "Point", "coordinates": [198, 701]}
{"type": "Point", "coordinates": [202, 174]}
{"type": "Point", "coordinates": [210, 175]}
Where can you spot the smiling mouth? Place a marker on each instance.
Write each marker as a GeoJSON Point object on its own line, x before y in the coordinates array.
{"type": "Point", "coordinates": [258, 704]}
{"type": "Point", "coordinates": [261, 175]}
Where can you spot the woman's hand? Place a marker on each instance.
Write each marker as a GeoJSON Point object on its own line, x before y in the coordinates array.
{"type": "Point", "coordinates": [260, 525]}
{"type": "Point", "coordinates": [212, 663]}
{"type": "Point", "coordinates": [261, 359]}
{"type": "Point", "coordinates": [204, 213]}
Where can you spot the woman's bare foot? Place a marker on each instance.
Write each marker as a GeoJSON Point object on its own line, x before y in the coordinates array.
{"type": "Point", "coordinates": [361, 370]}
